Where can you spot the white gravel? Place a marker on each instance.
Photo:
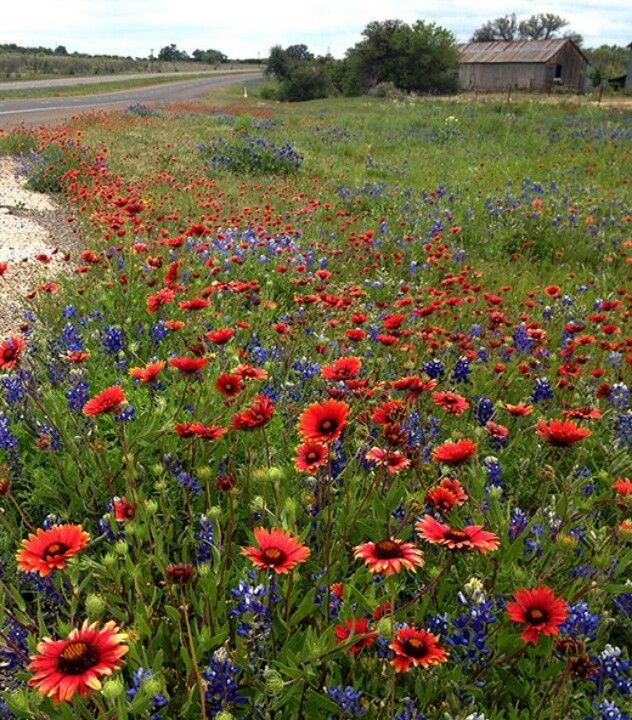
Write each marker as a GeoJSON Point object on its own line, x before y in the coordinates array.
{"type": "Point", "coordinates": [31, 224]}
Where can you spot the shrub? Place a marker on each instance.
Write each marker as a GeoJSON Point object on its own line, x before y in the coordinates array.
{"type": "Point", "coordinates": [386, 90]}
{"type": "Point", "coordinates": [45, 170]}
{"type": "Point", "coordinates": [252, 154]}
{"type": "Point", "coordinates": [17, 143]}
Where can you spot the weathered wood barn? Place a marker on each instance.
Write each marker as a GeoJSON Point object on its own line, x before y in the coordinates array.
{"type": "Point", "coordinates": [522, 64]}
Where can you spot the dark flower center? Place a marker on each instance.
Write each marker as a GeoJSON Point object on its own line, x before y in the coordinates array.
{"type": "Point", "coordinates": [54, 550]}
{"type": "Point", "coordinates": [456, 536]}
{"type": "Point", "coordinates": [76, 658]}
{"type": "Point", "coordinates": [327, 425]}
{"type": "Point", "coordinates": [535, 616]}
{"type": "Point", "coordinates": [415, 648]}
{"type": "Point", "coordinates": [272, 556]}
{"type": "Point", "coordinates": [387, 550]}
{"type": "Point", "coordinates": [311, 456]}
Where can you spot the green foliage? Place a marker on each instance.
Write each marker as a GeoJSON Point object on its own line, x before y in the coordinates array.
{"type": "Point", "coordinates": [17, 143]}
{"type": "Point", "coordinates": [540, 26]}
{"type": "Point", "coordinates": [251, 155]}
{"type": "Point", "coordinates": [45, 170]}
{"type": "Point", "coordinates": [420, 57]}
{"type": "Point", "coordinates": [610, 60]}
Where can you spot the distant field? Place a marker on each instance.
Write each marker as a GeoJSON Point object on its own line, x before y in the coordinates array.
{"type": "Point", "coordinates": [18, 66]}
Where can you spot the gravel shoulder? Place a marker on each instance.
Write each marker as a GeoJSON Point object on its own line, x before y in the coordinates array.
{"type": "Point", "coordinates": [31, 224]}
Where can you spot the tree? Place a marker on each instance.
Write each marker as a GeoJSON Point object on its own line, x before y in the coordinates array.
{"type": "Point", "coordinates": [542, 26]}
{"type": "Point", "coordinates": [171, 53]}
{"type": "Point", "coordinates": [501, 28]}
{"type": "Point", "coordinates": [421, 57]}
{"type": "Point", "coordinates": [60, 50]}
{"type": "Point", "coordinates": [298, 52]}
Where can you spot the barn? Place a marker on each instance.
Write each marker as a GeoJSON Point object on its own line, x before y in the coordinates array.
{"type": "Point", "coordinates": [522, 64]}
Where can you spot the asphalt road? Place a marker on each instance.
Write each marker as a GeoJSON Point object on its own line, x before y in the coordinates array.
{"type": "Point", "coordinates": [41, 111]}
{"type": "Point", "coordinates": [62, 82]}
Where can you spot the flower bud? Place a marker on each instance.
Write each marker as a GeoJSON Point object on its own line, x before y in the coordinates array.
{"type": "Point", "coordinates": [257, 504]}
{"type": "Point", "coordinates": [385, 627]}
{"type": "Point", "coordinates": [214, 512]}
{"type": "Point", "coordinates": [121, 547]}
{"type": "Point", "coordinates": [151, 507]}
{"type": "Point", "coordinates": [273, 682]}
{"type": "Point", "coordinates": [152, 686]}
{"type": "Point", "coordinates": [113, 688]}
{"type": "Point", "coordinates": [224, 715]}
{"type": "Point", "coordinates": [95, 605]}
{"type": "Point", "coordinates": [204, 473]}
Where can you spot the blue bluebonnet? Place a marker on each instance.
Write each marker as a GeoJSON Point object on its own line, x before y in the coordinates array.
{"type": "Point", "coordinates": [221, 691]}
{"type": "Point", "coordinates": [5, 713]}
{"type": "Point", "coordinates": [15, 386]}
{"type": "Point", "coordinates": [347, 699]}
{"type": "Point", "coordinates": [484, 411]}
{"type": "Point", "coordinates": [14, 652]}
{"type": "Point", "coordinates": [433, 368]}
{"type": "Point", "coordinates": [158, 702]}
{"type": "Point", "coordinates": [127, 414]}
{"type": "Point", "coordinates": [250, 606]}
{"type": "Point", "coordinates": [494, 472]}
{"type": "Point", "coordinates": [623, 429]}
{"type": "Point", "coordinates": [77, 396]}
{"type": "Point", "coordinates": [71, 338]}
{"type": "Point", "coordinates": [542, 390]}
{"type": "Point", "coordinates": [409, 711]}
{"type": "Point", "coordinates": [113, 340]}
{"type": "Point", "coordinates": [468, 638]}
{"type": "Point", "coordinates": [461, 371]}
{"type": "Point", "coordinates": [7, 440]}
{"type": "Point", "coordinates": [580, 623]}
{"type": "Point", "coordinates": [205, 540]}
{"type": "Point", "coordinates": [623, 604]}
{"type": "Point", "coordinates": [608, 710]}
{"type": "Point", "coordinates": [614, 672]}
{"type": "Point", "coordinates": [188, 482]}
{"type": "Point", "coordinates": [619, 396]}
{"type": "Point", "coordinates": [158, 332]}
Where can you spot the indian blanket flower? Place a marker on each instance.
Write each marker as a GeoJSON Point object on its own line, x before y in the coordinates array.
{"type": "Point", "coordinates": [392, 461]}
{"type": "Point", "coordinates": [452, 403]}
{"type": "Point", "coordinates": [258, 414]}
{"type": "Point", "coordinates": [561, 433]}
{"type": "Point", "coordinates": [414, 647]}
{"type": "Point", "coordinates": [276, 550]}
{"type": "Point", "coordinates": [149, 373]}
{"type": "Point", "coordinates": [539, 610]}
{"type": "Point", "coordinates": [11, 351]}
{"type": "Point", "coordinates": [229, 385]}
{"type": "Point", "coordinates": [471, 537]}
{"type": "Point", "coordinates": [310, 455]}
{"type": "Point", "coordinates": [188, 366]}
{"type": "Point", "coordinates": [389, 556]}
{"type": "Point", "coordinates": [323, 421]}
{"type": "Point", "coordinates": [454, 453]}
{"type": "Point", "coordinates": [64, 668]}
{"type": "Point", "coordinates": [48, 550]}
{"type": "Point", "coordinates": [108, 400]}
{"type": "Point", "coordinates": [355, 627]}
{"type": "Point", "coordinates": [343, 369]}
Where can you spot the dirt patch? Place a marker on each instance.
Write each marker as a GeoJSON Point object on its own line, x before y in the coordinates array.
{"type": "Point", "coordinates": [31, 224]}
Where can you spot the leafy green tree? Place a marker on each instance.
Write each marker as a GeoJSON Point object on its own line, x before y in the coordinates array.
{"type": "Point", "coordinates": [60, 50]}
{"type": "Point", "coordinates": [542, 26]}
{"type": "Point", "coordinates": [501, 28]}
{"type": "Point", "coordinates": [421, 57]}
{"type": "Point", "coordinates": [171, 53]}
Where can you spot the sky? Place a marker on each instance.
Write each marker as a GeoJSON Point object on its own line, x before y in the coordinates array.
{"type": "Point", "coordinates": [248, 29]}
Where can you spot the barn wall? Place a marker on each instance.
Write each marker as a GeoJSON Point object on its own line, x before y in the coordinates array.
{"type": "Point", "coordinates": [502, 76]}
{"type": "Point", "coordinates": [628, 79]}
{"type": "Point", "coordinates": [573, 69]}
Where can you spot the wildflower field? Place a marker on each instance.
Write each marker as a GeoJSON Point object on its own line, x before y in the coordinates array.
{"type": "Point", "coordinates": [331, 418]}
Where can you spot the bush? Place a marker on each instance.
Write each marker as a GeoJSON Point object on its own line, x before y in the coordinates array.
{"type": "Point", "coordinates": [304, 82]}
{"type": "Point", "coordinates": [45, 170]}
{"type": "Point", "coordinates": [17, 143]}
{"type": "Point", "coordinates": [386, 90]}
{"type": "Point", "coordinates": [251, 154]}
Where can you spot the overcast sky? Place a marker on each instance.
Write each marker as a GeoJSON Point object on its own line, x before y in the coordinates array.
{"type": "Point", "coordinates": [247, 28]}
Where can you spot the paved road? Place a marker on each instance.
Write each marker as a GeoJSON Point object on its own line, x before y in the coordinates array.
{"type": "Point", "coordinates": [62, 82]}
{"type": "Point", "coordinates": [41, 111]}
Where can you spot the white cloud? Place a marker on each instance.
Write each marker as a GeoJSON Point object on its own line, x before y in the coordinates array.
{"type": "Point", "coordinates": [240, 29]}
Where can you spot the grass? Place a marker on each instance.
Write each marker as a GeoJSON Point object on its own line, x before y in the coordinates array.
{"type": "Point", "coordinates": [292, 317]}
{"type": "Point", "coordinates": [108, 86]}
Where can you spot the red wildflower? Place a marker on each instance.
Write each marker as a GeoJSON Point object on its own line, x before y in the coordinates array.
{"type": "Point", "coordinates": [452, 403]}
{"type": "Point", "coordinates": [355, 627]}
{"type": "Point", "coordinates": [64, 668]}
{"type": "Point", "coordinates": [441, 499]}
{"type": "Point", "coordinates": [195, 304]}
{"type": "Point", "coordinates": [389, 556]}
{"type": "Point", "coordinates": [323, 421]}
{"type": "Point", "coordinates": [123, 510]}
{"type": "Point", "coordinates": [342, 369]}
{"type": "Point", "coordinates": [471, 537]}
{"type": "Point", "coordinates": [454, 453]}
{"type": "Point", "coordinates": [188, 366]}
{"type": "Point", "coordinates": [389, 412]}
{"type": "Point", "coordinates": [519, 410]}
{"type": "Point", "coordinates": [149, 373]}
{"type": "Point", "coordinates": [561, 433]}
{"type": "Point", "coordinates": [108, 400]}
{"type": "Point", "coordinates": [416, 647]}
{"type": "Point", "coordinates": [310, 456]}
{"type": "Point", "coordinates": [257, 415]}
{"type": "Point", "coordinates": [277, 550]}
{"type": "Point", "coordinates": [539, 610]}
{"type": "Point", "coordinates": [10, 352]}
{"type": "Point", "coordinates": [248, 372]}
{"type": "Point", "coordinates": [162, 297]}
{"type": "Point", "coordinates": [220, 336]}
{"type": "Point", "coordinates": [229, 384]}
{"type": "Point", "coordinates": [392, 461]}
{"type": "Point", "coordinates": [47, 550]}
{"type": "Point", "coordinates": [623, 486]}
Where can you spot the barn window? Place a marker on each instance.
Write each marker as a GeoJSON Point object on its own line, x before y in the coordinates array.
{"type": "Point", "coordinates": [558, 72]}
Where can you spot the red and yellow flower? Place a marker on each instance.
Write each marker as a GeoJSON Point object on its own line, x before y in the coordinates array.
{"type": "Point", "coordinates": [413, 647]}
{"type": "Point", "coordinates": [389, 556]}
{"type": "Point", "coordinates": [276, 550]}
{"type": "Point", "coordinates": [48, 550]}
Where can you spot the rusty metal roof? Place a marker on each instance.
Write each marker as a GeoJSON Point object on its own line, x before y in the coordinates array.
{"type": "Point", "coordinates": [510, 51]}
